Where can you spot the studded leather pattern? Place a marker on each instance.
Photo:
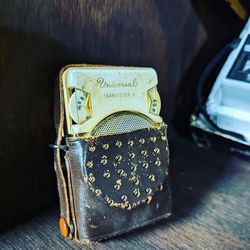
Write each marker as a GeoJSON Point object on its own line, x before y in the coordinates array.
{"type": "Point", "coordinates": [118, 182]}
{"type": "Point", "coordinates": [126, 170]}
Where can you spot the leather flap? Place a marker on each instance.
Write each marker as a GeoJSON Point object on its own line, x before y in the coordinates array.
{"type": "Point", "coordinates": [127, 169]}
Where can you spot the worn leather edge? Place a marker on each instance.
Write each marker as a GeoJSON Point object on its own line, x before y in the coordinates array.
{"type": "Point", "coordinates": [103, 237]}
{"type": "Point", "coordinates": [59, 126]}
{"type": "Point", "coordinates": [61, 179]}
{"type": "Point", "coordinates": [71, 198]}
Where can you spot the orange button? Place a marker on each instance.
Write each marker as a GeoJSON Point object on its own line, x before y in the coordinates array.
{"type": "Point", "coordinates": [63, 227]}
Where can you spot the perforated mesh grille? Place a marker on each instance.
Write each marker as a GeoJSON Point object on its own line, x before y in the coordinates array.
{"type": "Point", "coordinates": [122, 123]}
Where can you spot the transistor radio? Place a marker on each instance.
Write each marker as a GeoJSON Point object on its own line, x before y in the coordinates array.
{"type": "Point", "coordinates": [101, 100]}
{"type": "Point", "coordinates": [116, 151]}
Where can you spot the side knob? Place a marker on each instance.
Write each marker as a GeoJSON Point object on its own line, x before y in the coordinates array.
{"type": "Point", "coordinates": [78, 106]}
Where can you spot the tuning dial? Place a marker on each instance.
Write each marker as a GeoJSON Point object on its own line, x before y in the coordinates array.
{"type": "Point", "coordinates": [78, 109]}
{"type": "Point", "coordinates": [155, 101]}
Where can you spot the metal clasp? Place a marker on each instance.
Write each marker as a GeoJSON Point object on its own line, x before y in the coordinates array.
{"type": "Point", "coordinates": [62, 147]}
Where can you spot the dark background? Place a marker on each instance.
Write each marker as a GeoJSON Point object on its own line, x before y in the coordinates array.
{"type": "Point", "coordinates": [37, 38]}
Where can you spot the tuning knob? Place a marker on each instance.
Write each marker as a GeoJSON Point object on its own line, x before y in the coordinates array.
{"type": "Point", "coordinates": [78, 106]}
{"type": "Point", "coordinates": [155, 101]}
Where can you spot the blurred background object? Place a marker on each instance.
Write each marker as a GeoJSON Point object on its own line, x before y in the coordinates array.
{"type": "Point", "coordinates": [222, 25]}
{"type": "Point", "coordinates": [226, 111]}
{"type": "Point", "coordinates": [239, 8]}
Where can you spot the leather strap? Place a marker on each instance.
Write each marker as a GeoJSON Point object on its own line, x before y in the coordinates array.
{"type": "Point", "coordinates": [61, 179]}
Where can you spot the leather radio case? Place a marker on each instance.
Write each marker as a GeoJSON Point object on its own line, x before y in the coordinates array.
{"type": "Point", "coordinates": [110, 184]}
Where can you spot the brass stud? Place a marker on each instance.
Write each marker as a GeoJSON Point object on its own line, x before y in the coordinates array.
{"type": "Point", "coordinates": [98, 192]}
{"type": "Point", "coordinates": [152, 177]}
{"type": "Point", "coordinates": [111, 203]}
{"type": "Point", "coordinates": [145, 164]}
{"type": "Point", "coordinates": [160, 188]}
{"type": "Point", "coordinates": [142, 140]}
{"type": "Point", "coordinates": [118, 184]}
{"type": "Point", "coordinates": [133, 167]}
{"type": "Point", "coordinates": [148, 199]}
{"type": "Point", "coordinates": [117, 187]}
{"type": "Point", "coordinates": [92, 149]}
{"type": "Point", "coordinates": [158, 163]}
{"type": "Point", "coordinates": [163, 137]}
{"type": "Point", "coordinates": [118, 158]}
{"type": "Point", "coordinates": [153, 139]}
{"type": "Point", "coordinates": [121, 172]}
{"type": "Point", "coordinates": [124, 197]}
{"type": "Point", "coordinates": [118, 143]}
{"type": "Point", "coordinates": [85, 178]}
{"type": "Point", "coordinates": [91, 178]}
{"type": "Point", "coordinates": [132, 155]}
{"type": "Point", "coordinates": [105, 146]}
{"type": "Point", "coordinates": [131, 143]}
{"type": "Point", "coordinates": [149, 191]}
{"type": "Point", "coordinates": [157, 150]}
{"type": "Point", "coordinates": [137, 182]}
{"type": "Point", "coordinates": [128, 206]}
{"type": "Point", "coordinates": [104, 161]}
{"type": "Point", "coordinates": [89, 164]}
{"type": "Point", "coordinates": [107, 199]}
{"type": "Point", "coordinates": [106, 174]}
{"type": "Point", "coordinates": [132, 179]}
{"type": "Point", "coordinates": [137, 192]}
{"type": "Point", "coordinates": [144, 152]}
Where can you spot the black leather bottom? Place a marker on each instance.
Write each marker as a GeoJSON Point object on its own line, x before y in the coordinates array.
{"type": "Point", "coordinates": [96, 217]}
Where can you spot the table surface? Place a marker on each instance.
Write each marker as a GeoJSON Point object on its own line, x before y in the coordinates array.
{"type": "Point", "coordinates": [211, 209]}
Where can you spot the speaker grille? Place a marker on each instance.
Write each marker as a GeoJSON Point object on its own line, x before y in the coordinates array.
{"type": "Point", "coordinates": [122, 123]}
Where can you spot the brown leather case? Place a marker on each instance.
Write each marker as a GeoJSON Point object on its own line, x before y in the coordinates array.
{"type": "Point", "coordinates": [112, 184]}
